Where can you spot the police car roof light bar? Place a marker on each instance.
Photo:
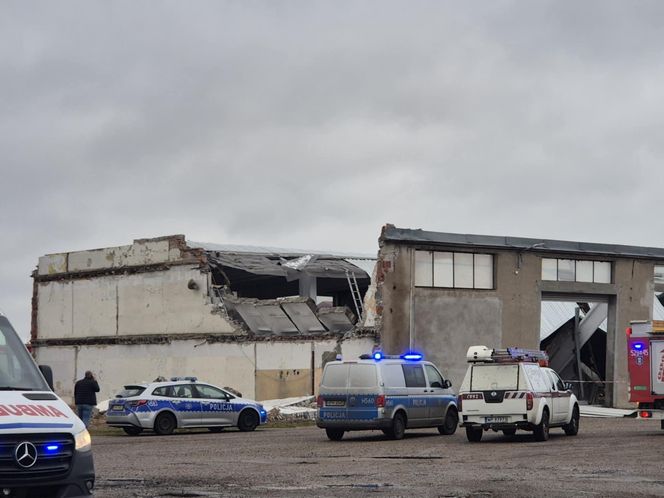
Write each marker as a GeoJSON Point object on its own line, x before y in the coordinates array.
{"type": "Point", "coordinates": [378, 355]}
{"type": "Point", "coordinates": [190, 379]}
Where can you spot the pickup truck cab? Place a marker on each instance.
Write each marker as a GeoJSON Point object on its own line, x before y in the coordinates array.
{"type": "Point", "coordinates": [513, 389]}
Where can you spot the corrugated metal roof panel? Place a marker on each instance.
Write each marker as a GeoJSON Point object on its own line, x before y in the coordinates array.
{"type": "Point", "coordinates": [554, 315]}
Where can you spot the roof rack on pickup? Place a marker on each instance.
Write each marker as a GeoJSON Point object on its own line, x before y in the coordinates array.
{"type": "Point", "coordinates": [482, 354]}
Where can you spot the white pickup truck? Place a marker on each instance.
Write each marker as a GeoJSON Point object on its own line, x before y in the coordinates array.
{"type": "Point", "coordinates": [509, 389]}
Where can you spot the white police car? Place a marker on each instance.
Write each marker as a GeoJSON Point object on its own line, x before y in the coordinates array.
{"type": "Point", "coordinates": [181, 403]}
{"type": "Point", "coordinates": [390, 393]}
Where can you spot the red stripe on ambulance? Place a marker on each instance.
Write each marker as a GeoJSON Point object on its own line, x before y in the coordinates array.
{"type": "Point", "coordinates": [31, 411]}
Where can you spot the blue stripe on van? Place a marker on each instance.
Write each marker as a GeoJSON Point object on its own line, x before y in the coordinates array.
{"type": "Point", "coordinates": [35, 426]}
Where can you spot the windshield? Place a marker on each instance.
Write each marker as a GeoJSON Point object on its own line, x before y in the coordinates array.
{"type": "Point", "coordinates": [17, 369]}
{"type": "Point", "coordinates": [494, 377]}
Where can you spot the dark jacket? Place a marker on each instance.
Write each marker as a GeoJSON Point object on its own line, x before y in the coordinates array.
{"type": "Point", "coordinates": [84, 392]}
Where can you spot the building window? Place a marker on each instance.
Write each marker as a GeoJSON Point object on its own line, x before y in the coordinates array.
{"type": "Point", "coordinates": [659, 274]}
{"type": "Point", "coordinates": [572, 270]}
{"type": "Point", "coordinates": [459, 270]}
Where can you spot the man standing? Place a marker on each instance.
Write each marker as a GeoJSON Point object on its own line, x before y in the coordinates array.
{"type": "Point", "coordinates": [85, 397]}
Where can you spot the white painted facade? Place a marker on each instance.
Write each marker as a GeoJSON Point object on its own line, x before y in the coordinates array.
{"type": "Point", "coordinates": [225, 364]}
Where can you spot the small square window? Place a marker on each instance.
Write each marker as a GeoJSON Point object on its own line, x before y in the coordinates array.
{"type": "Point", "coordinates": [443, 269]}
{"type": "Point", "coordinates": [602, 272]}
{"type": "Point", "coordinates": [584, 271]}
{"type": "Point", "coordinates": [659, 274]}
{"type": "Point", "coordinates": [549, 269]}
{"type": "Point", "coordinates": [483, 271]}
{"type": "Point", "coordinates": [566, 271]}
{"type": "Point", "coordinates": [463, 270]}
{"type": "Point", "coordinates": [423, 269]}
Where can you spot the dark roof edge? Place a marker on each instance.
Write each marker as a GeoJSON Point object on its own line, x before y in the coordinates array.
{"type": "Point", "coordinates": [394, 234]}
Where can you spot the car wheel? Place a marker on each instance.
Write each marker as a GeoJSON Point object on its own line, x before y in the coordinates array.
{"type": "Point", "coordinates": [398, 429]}
{"type": "Point", "coordinates": [334, 434]}
{"type": "Point", "coordinates": [248, 421]}
{"type": "Point", "coordinates": [165, 424]}
{"type": "Point", "coordinates": [509, 432]}
{"type": "Point", "coordinates": [542, 429]}
{"type": "Point", "coordinates": [132, 431]}
{"type": "Point", "coordinates": [215, 429]}
{"type": "Point", "coordinates": [572, 429]}
{"type": "Point", "coordinates": [449, 427]}
{"type": "Point", "coordinates": [474, 434]}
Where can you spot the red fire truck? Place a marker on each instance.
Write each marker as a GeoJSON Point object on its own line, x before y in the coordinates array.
{"type": "Point", "coordinates": [645, 364]}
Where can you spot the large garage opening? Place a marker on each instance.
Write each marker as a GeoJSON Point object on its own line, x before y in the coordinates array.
{"type": "Point", "coordinates": [573, 332]}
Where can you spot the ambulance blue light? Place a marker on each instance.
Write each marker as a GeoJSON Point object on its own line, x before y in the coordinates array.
{"type": "Point", "coordinates": [52, 447]}
{"type": "Point", "coordinates": [638, 346]}
{"type": "Point", "coordinates": [412, 356]}
{"type": "Point", "coordinates": [377, 356]}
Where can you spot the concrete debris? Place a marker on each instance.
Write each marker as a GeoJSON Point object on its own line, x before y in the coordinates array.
{"type": "Point", "coordinates": [290, 409]}
{"type": "Point", "coordinates": [604, 412]}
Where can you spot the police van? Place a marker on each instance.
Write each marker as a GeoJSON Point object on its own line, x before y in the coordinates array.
{"type": "Point", "coordinates": [45, 449]}
{"type": "Point", "coordinates": [389, 393]}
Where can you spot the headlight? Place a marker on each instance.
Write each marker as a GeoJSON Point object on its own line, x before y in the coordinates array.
{"type": "Point", "coordinates": [83, 441]}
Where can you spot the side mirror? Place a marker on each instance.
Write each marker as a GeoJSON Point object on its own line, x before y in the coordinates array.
{"type": "Point", "coordinates": [568, 386]}
{"type": "Point", "coordinates": [447, 383]}
{"type": "Point", "coordinates": [48, 374]}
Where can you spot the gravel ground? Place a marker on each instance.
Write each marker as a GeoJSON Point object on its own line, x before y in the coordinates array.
{"type": "Point", "coordinates": [609, 457]}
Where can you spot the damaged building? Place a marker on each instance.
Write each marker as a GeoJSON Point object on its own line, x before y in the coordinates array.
{"type": "Point", "coordinates": [442, 292]}
{"type": "Point", "coordinates": [260, 320]}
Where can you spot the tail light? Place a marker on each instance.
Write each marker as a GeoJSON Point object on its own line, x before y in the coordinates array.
{"type": "Point", "coordinates": [529, 401]}
{"type": "Point", "coordinates": [644, 414]}
{"type": "Point", "coordinates": [140, 402]}
{"type": "Point", "coordinates": [459, 403]}
{"type": "Point", "coordinates": [380, 400]}
{"type": "Point", "coordinates": [628, 331]}
{"type": "Point", "coordinates": [319, 401]}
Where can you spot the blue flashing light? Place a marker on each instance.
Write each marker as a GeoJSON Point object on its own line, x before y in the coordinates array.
{"type": "Point", "coordinates": [412, 356]}
{"type": "Point", "coordinates": [638, 346]}
{"type": "Point", "coordinates": [377, 356]}
{"type": "Point", "coordinates": [52, 448]}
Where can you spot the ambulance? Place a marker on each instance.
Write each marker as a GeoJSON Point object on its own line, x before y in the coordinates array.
{"type": "Point", "coordinates": [45, 450]}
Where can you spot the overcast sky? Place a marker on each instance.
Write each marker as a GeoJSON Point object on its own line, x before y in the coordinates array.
{"type": "Point", "coordinates": [311, 124]}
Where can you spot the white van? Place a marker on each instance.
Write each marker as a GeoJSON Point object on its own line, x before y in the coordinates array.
{"type": "Point", "coordinates": [390, 393]}
{"type": "Point", "coordinates": [45, 450]}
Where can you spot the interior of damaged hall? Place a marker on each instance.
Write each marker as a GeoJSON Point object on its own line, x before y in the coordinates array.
{"type": "Point", "coordinates": [265, 320]}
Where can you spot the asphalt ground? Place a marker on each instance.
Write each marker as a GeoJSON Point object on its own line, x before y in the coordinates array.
{"type": "Point", "coordinates": [609, 457]}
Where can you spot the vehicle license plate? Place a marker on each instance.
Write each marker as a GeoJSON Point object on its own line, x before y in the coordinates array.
{"type": "Point", "coordinates": [335, 402]}
{"type": "Point", "coordinates": [494, 420]}
{"type": "Point", "coordinates": [118, 408]}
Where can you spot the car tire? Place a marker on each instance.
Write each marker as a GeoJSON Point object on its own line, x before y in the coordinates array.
{"type": "Point", "coordinates": [165, 424]}
{"type": "Point", "coordinates": [215, 429]}
{"type": "Point", "coordinates": [451, 422]}
{"type": "Point", "coordinates": [542, 429]}
{"type": "Point", "coordinates": [248, 421]}
{"type": "Point", "coordinates": [509, 432]}
{"type": "Point", "coordinates": [334, 434]}
{"type": "Point", "coordinates": [398, 429]}
{"type": "Point", "coordinates": [572, 429]}
{"type": "Point", "coordinates": [474, 434]}
{"type": "Point", "coordinates": [132, 431]}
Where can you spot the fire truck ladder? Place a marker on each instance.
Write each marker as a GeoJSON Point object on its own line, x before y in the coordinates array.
{"type": "Point", "coordinates": [355, 293]}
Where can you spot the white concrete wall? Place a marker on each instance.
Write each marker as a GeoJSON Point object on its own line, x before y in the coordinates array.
{"type": "Point", "coordinates": [143, 252]}
{"type": "Point", "coordinates": [234, 365]}
{"type": "Point", "coordinates": [158, 302]}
